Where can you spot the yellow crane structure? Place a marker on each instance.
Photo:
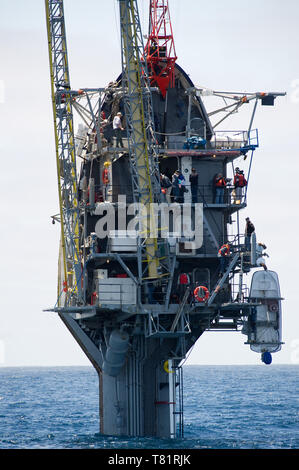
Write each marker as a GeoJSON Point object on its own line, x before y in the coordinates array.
{"type": "Point", "coordinates": [62, 97]}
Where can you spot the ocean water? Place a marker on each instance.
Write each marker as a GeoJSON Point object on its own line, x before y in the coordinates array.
{"type": "Point", "coordinates": [225, 407]}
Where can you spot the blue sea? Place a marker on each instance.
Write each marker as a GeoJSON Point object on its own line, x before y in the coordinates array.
{"type": "Point", "coordinates": [225, 407]}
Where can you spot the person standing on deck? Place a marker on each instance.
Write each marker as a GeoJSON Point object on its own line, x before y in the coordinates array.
{"type": "Point", "coordinates": [175, 186]}
{"type": "Point", "coordinates": [182, 186]}
{"type": "Point", "coordinates": [224, 255]}
{"type": "Point", "coordinates": [117, 128]}
{"type": "Point", "coordinates": [239, 183]}
{"type": "Point", "coordinates": [166, 187]}
{"type": "Point", "coordinates": [220, 185]}
{"type": "Point", "coordinates": [249, 229]}
{"type": "Point", "coordinates": [193, 179]}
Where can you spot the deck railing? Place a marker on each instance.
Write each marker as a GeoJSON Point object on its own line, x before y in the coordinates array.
{"type": "Point", "coordinates": [205, 194]}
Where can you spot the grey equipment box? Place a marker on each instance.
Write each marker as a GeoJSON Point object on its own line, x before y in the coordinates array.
{"type": "Point", "coordinates": [117, 291]}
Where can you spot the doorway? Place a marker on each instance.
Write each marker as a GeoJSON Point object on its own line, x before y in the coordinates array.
{"type": "Point", "coordinates": [168, 165]}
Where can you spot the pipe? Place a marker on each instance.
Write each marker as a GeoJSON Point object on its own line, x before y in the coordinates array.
{"type": "Point", "coordinates": [116, 352]}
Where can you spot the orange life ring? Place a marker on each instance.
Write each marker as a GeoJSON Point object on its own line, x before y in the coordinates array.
{"type": "Point", "coordinates": [206, 293]}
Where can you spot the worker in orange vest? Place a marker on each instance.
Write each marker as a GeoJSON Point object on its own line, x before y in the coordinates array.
{"type": "Point", "coordinates": [239, 183]}
{"type": "Point", "coordinates": [224, 255]}
{"type": "Point", "coordinates": [220, 185]}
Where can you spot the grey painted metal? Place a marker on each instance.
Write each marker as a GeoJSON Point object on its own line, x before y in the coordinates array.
{"type": "Point", "coordinates": [209, 231]}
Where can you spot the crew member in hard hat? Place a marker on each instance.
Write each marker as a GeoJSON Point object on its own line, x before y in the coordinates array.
{"type": "Point", "coordinates": [117, 128]}
{"type": "Point", "coordinates": [224, 255]}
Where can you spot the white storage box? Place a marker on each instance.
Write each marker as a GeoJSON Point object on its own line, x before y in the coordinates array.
{"type": "Point", "coordinates": [117, 291]}
{"type": "Point", "coordinates": [122, 240]}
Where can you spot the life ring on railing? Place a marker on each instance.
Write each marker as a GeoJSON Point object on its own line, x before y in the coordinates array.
{"type": "Point", "coordinates": [201, 293]}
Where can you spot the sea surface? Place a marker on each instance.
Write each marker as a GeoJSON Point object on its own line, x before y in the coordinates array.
{"type": "Point", "coordinates": [225, 407]}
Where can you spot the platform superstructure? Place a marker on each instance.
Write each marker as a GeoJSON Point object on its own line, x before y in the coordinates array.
{"type": "Point", "coordinates": [146, 268]}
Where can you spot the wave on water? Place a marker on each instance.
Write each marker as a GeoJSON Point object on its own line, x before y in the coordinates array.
{"type": "Point", "coordinates": [225, 407]}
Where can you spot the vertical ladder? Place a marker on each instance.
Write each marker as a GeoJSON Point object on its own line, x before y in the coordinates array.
{"type": "Point", "coordinates": [180, 400]}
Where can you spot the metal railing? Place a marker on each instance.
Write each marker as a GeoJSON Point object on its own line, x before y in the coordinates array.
{"type": "Point", "coordinates": [221, 140]}
{"type": "Point", "coordinates": [229, 139]}
{"type": "Point", "coordinates": [205, 194]}
{"type": "Point", "coordinates": [239, 294]}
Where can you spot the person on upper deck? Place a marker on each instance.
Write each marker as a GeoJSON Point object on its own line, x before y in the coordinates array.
{"type": "Point", "coordinates": [117, 128]}
{"type": "Point", "coordinates": [166, 187]}
{"type": "Point", "coordinates": [249, 229]}
{"type": "Point", "coordinates": [182, 186]}
{"type": "Point", "coordinates": [178, 185]}
{"type": "Point", "coordinates": [193, 179]}
{"type": "Point", "coordinates": [175, 186]}
{"type": "Point", "coordinates": [220, 185]}
{"type": "Point", "coordinates": [239, 183]}
{"type": "Point", "coordinates": [224, 255]}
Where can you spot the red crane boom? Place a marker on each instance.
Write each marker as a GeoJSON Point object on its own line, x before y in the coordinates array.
{"type": "Point", "coordinates": [159, 50]}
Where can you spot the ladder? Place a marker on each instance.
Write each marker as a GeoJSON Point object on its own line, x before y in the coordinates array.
{"type": "Point", "coordinates": [223, 278]}
{"type": "Point", "coordinates": [62, 97]}
{"type": "Point", "coordinates": [180, 309]}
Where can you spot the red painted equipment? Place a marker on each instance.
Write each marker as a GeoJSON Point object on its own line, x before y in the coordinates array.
{"type": "Point", "coordinates": [159, 50]}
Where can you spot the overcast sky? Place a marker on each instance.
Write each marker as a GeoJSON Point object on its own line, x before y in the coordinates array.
{"type": "Point", "coordinates": [245, 46]}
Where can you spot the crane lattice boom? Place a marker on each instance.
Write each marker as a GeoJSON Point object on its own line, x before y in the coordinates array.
{"type": "Point", "coordinates": [65, 148]}
{"type": "Point", "coordinates": [160, 51]}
